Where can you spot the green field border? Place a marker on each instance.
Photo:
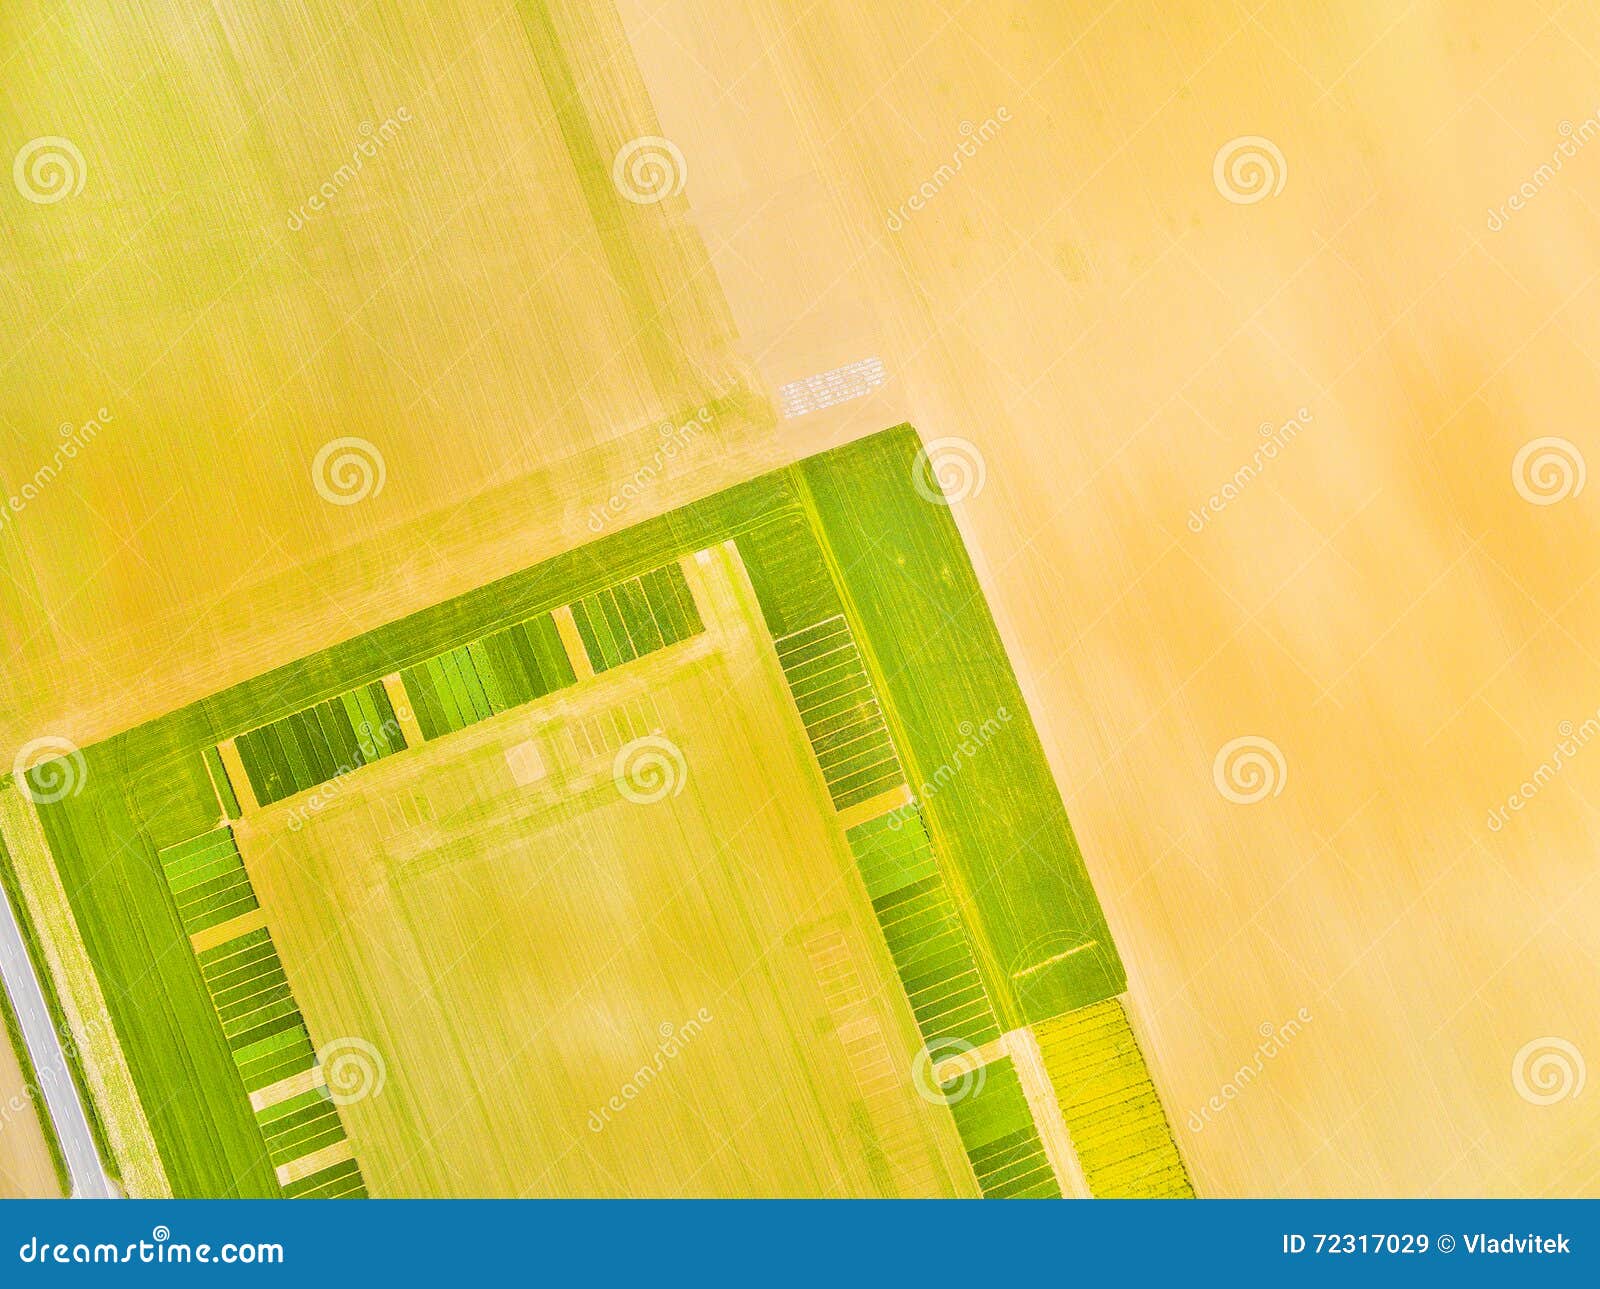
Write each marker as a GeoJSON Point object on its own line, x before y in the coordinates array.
{"type": "Point", "coordinates": [150, 787]}
{"type": "Point", "coordinates": [933, 649]}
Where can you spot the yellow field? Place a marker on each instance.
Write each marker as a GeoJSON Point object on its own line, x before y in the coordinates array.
{"type": "Point", "coordinates": [181, 317]}
{"type": "Point", "coordinates": [518, 939]}
{"type": "Point", "coordinates": [1081, 301]}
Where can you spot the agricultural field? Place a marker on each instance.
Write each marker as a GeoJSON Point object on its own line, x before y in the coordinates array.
{"type": "Point", "coordinates": [982, 777]}
{"type": "Point", "coordinates": [262, 449]}
{"type": "Point", "coordinates": [576, 990]}
{"type": "Point", "coordinates": [232, 270]}
{"type": "Point", "coordinates": [652, 852]}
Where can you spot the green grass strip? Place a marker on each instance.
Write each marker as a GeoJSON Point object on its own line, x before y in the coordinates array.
{"type": "Point", "coordinates": [892, 851]}
{"type": "Point", "coordinates": [337, 1181]}
{"type": "Point", "coordinates": [220, 780]}
{"type": "Point", "coordinates": [972, 755]}
{"type": "Point", "coordinates": [996, 1127]}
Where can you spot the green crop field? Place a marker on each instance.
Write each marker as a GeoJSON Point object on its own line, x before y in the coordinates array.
{"type": "Point", "coordinates": [903, 699]}
{"type": "Point", "coordinates": [999, 820]}
{"type": "Point", "coordinates": [606, 992]}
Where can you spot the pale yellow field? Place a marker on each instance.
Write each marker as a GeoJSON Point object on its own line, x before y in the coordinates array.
{"type": "Point", "coordinates": [25, 1168]}
{"type": "Point", "coordinates": [517, 952]}
{"type": "Point", "coordinates": [1080, 301]}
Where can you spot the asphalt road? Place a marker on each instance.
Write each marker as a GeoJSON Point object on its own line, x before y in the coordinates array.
{"type": "Point", "coordinates": [61, 1100]}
